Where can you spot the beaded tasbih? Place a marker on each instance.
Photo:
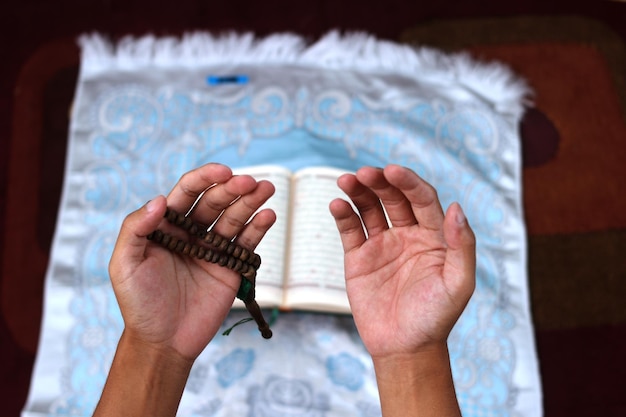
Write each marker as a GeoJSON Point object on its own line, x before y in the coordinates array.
{"type": "Point", "coordinates": [218, 250]}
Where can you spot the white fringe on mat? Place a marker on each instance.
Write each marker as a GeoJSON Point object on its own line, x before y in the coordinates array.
{"type": "Point", "coordinates": [359, 51]}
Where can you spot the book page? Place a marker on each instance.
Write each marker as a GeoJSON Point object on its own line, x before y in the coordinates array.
{"type": "Point", "coordinates": [315, 274]}
{"type": "Point", "coordinates": [272, 249]}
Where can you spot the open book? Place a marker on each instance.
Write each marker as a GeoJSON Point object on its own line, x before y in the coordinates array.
{"type": "Point", "coordinates": [302, 257]}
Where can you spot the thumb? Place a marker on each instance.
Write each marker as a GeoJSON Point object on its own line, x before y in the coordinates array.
{"type": "Point", "coordinates": [131, 242]}
{"type": "Point", "coordinates": [459, 270]}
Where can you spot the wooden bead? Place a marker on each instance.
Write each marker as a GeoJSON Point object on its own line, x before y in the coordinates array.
{"type": "Point", "coordinates": [256, 261]}
{"type": "Point", "coordinates": [193, 229]}
{"type": "Point", "coordinates": [230, 248]}
{"type": "Point", "coordinates": [209, 237]}
{"type": "Point", "coordinates": [222, 245]}
{"type": "Point", "coordinates": [238, 265]}
{"type": "Point", "coordinates": [171, 215]}
{"type": "Point", "coordinates": [249, 274]}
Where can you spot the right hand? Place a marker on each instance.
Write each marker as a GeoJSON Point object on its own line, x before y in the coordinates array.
{"type": "Point", "coordinates": [172, 302]}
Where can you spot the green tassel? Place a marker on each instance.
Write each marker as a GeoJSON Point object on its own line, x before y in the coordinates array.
{"type": "Point", "coordinates": [244, 289]}
{"type": "Point", "coordinates": [230, 329]}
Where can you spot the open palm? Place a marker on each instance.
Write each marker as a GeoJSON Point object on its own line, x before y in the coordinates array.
{"type": "Point", "coordinates": [408, 283]}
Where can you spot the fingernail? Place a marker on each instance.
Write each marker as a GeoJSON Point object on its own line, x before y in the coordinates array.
{"type": "Point", "coordinates": [151, 206]}
{"type": "Point", "coordinates": [460, 216]}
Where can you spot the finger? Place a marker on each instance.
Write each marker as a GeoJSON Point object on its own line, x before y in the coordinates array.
{"type": "Point", "coordinates": [237, 214]}
{"type": "Point", "coordinates": [193, 183]}
{"type": "Point", "coordinates": [421, 195]}
{"type": "Point", "coordinates": [219, 197]}
{"type": "Point", "coordinates": [253, 232]}
{"type": "Point", "coordinates": [366, 202]}
{"type": "Point", "coordinates": [348, 223]}
{"type": "Point", "coordinates": [459, 269]}
{"type": "Point", "coordinates": [131, 243]}
{"type": "Point", "coordinates": [395, 203]}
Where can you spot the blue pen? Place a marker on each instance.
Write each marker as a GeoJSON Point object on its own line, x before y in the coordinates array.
{"type": "Point", "coordinates": [227, 79]}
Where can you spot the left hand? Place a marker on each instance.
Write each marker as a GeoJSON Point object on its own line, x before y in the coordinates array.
{"type": "Point", "coordinates": [409, 282]}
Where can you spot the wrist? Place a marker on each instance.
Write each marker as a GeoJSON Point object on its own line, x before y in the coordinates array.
{"type": "Point", "coordinates": [154, 356]}
{"type": "Point", "coordinates": [409, 366]}
{"type": "Point", "coordinates": [144, 379]}
{"type": "Point", "coordinates": [417, 383]}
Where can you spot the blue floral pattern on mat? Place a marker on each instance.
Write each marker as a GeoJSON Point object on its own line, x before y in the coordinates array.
{"type": "Point", "coordinates": [133, 141]}
{"type": "Point", "coordinates": [234, 366]}
{"type": "Point", "coordinates": [345, 370]}
{"type": "Point", "coordinates": [284, 397]}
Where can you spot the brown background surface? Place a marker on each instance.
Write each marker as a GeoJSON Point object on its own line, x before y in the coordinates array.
{"type": "Point", "coordinates": [574, 144]}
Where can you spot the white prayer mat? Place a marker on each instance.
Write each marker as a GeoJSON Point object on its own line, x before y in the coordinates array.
{"type": "Point", "coordinates": [146, 111]}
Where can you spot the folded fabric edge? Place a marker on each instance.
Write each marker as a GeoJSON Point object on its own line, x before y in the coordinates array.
{"type": "Point", "coordinates": [492, 81]}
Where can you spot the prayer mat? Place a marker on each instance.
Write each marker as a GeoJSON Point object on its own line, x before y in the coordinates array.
{"type": "Point", "coordinates": [147, 110]}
